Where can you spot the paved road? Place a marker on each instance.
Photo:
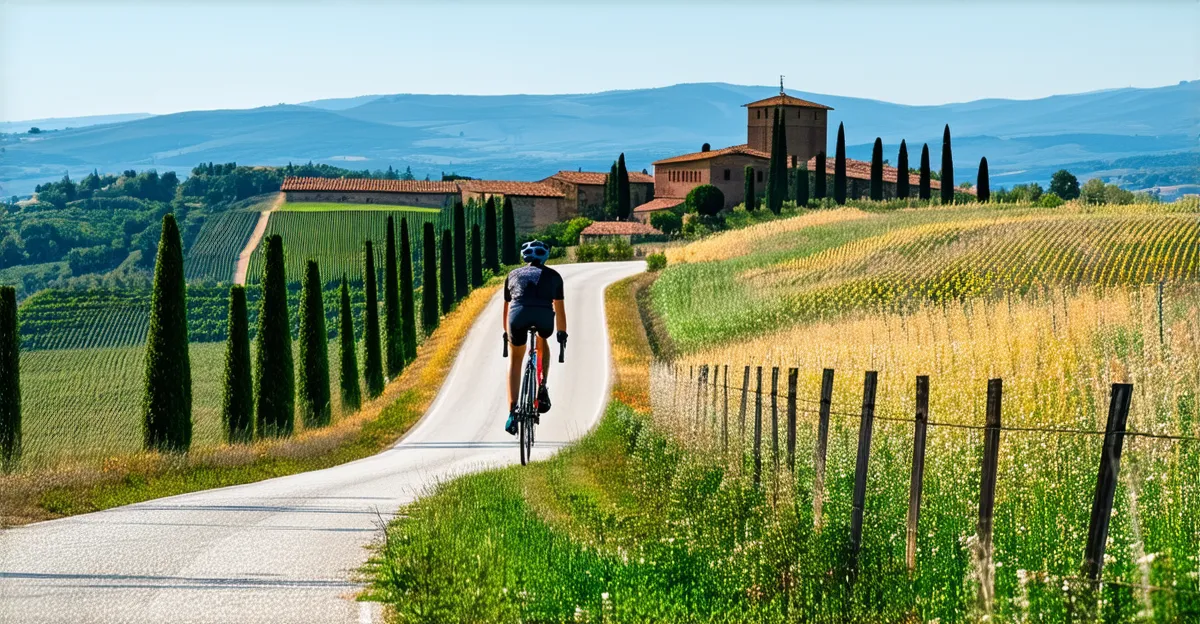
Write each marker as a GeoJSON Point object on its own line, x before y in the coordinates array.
{"type": "Point", "coordinates": [286, 550]}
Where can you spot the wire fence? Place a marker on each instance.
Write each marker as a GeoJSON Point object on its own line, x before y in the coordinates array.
{"type": "Point", "coordinates": [698, 393]}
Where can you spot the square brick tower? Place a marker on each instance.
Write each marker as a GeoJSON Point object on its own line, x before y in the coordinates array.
{"type": "Point", "coordinates": [804, 122]}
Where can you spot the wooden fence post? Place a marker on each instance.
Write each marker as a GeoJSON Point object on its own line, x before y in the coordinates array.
{"type": "Point", "coordinates": [725, 412]}
{"type": "Point", "coordinates": [822, 443]}
{"type": "Point", "coordinates": [987, 493]}
{"type": "Point", "coordinates": [758, 428]}
{"type": "Point", "coordinates": [742, 427]}
{"type": "Point", "coordinates": [701, 383]}
{"type": "Point", "coordinates": [1106, 480]}
{"type": "Point", "coordinates": [918, 470]}
{"type": "Point", "coordinates": [1162, 341]}
{"type": "Point", "coordinates": [870, 381]}
{"type": "Point", "coordinates": [774, 419]}
{"type": "Point", "coordinates": [716, 390]}
{"type": "Point", "coordinates": [793, 373]}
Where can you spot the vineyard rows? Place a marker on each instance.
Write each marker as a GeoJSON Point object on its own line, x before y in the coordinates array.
{"type": "Point", "coordinates": [213, 256]}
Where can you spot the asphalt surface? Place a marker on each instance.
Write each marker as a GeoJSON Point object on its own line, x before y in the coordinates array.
{"type": "Point", "coordinates": [288, 549]}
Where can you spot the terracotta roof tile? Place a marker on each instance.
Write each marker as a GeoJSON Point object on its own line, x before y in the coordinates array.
{"type": "Point", "coordinates": [367, 185]}
{"type": "Point", "coordinates": [786, 100]}
{"type": "Point", "coordinates": [597, 177]}
{"type": "Point", "coordinates": [618, 228]}
{"type": "Point", "coordinates": [515, 189]}
{"type": "Point", "coordinates": [661, 203]}
{"type": "Point", "coordinates": [735, 149]}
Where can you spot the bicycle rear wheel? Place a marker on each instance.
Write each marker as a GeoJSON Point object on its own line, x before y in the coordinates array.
{"type": "Point", "coordinates": [525, 413]}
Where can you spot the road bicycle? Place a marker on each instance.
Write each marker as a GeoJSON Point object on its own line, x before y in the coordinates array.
{"type": "Point", "coordinates": [527, 399]}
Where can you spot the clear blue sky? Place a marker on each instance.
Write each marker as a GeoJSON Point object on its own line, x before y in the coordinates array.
{"type": "Point", "coordinates": [70, 58]}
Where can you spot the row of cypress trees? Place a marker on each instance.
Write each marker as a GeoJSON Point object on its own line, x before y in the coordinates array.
{"type": "Point", "coordinates": [903, 190]}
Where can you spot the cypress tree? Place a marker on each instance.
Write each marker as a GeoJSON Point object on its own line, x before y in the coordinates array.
{"type": "Point", "coordinates": [429, 278]}
{"type": "Point", "coordinates": [314, 351]}
{"type": "Point", "coordinates": [476, 258]}
{"type": "Point", "coordinates": [623, 201]}
{"type": "Point", "coordinates": [877, 170]}
{"type": "Point", "coordinates": [407, 297]}
{"type": "Point", "coordinates": [610, 192]}
{"type": "Point", "coordinates": [508, 235]}
{"type": "Point", "coordinates": [372, 359]}
{"type": "Point", "coordinates": [351, 395]}
{"type": "Point", "coordinates": [274, 368]}
{"type": "Point", "coordinates": [802, 185]}
{"type": "Point", "coordinates": [902, 172]}
{"type": "Point", "coordinates": [393, 340]}
{"type": "Point", "coordinates": [167, 402]}
{"type": "Point", "coordinates": [839, 168]}
{"type": "Point", "coordinates": [237, 408]}
{"type": "Point", "coordinates": [447, 273]}
{"type": "Point", "coordinates": [947, 180]}
{"type": "Point", "coordinates": [983, 189]}
{"type": "Point", "coordinates": [820, 177]}
{"type": "Point", "coordinates": [923, 191]}
{"type": "Point", "coordinates": [491, 249]}
{"type": "Point", "coordinates": [751, 198]}
{"type": "Point", "coordinates": [461, 286]}
{"type": "Point", "coordinates": [775, 179]}
{"type": "Point", "coordinates": [10, 380]}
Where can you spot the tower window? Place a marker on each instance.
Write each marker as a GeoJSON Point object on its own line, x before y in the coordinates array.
{"type": "Point", "coordinates": [814, 115]}
{"type": "Point", "coordinates": [726, 174]}
{"type": "Point", "coordinates": [760, 175]}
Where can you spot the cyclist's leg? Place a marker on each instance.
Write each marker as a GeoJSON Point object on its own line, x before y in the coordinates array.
{"type": "Point", "coordinates": [543, 348]}
{"type": "Point", "coordinates": [516, 357]}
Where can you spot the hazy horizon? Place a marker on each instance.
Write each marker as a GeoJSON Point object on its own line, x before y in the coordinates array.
{"type": "Point", "coordinates": [136, 57]}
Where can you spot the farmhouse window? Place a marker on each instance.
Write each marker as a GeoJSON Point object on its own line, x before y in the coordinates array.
{"type": "Point", "coordinates": [759, 176]}
{"type": "Point", "coordinates": [726, 174]}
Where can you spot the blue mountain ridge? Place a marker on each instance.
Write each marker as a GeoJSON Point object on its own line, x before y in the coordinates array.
{"type": "Point", "coordinates": [528, 137]}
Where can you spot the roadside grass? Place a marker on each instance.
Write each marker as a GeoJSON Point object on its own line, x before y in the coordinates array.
{"type": "Point", "coordinates": [94, 483]}
{"type": "Point", "coordinates": [335, 206]}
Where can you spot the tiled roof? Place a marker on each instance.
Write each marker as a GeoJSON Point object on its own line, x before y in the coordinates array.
{"type": "Point", "coordinates": [618, 228]}
{"type": "Point", "coordinates": [515, 189]}
{"type": "Point", "coordinates": [735, 149]}
{"type": "Point", "coordinates": [367, 185]}
{"type": "Point", "coordinates": [861, 170]}
{"type": "Point", "coordinates": [786, 100]}
{"type": "Point", "coordinates": [661, 203]}
{"type": "Point", "coordinates": [597, 177]}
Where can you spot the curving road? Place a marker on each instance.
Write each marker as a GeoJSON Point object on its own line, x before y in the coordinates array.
{"type": "Point", "coordinates": [287, 549]}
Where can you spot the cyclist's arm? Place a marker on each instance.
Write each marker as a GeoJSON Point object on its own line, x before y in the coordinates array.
{"type": "Point", "coordinates": [560, 315]}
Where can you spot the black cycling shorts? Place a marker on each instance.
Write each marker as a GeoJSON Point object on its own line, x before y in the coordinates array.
{"type": "Point", "coordinates": [521, 320]}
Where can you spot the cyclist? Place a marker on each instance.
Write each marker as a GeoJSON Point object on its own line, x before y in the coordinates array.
{"type": "Point", "coordinates": [533, 298]}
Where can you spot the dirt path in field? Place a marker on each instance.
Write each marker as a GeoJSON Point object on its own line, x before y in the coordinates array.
{"type": "Point", "coordinates": [260, 228]}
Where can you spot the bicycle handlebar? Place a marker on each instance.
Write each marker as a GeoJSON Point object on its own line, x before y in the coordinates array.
{"type": "Point", "coordinates": [562, 352]}
{"type": "Point", "coordinates": [505, 344]}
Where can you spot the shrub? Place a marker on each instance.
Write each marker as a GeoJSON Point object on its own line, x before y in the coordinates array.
{"type": "Point", "coordinates": [705, 199]}
{"type": "Point", "coordinates": [656, 262]}
{"type": "Point", "coordinates": [1051, 200]}
{"type": "Point", "coordinates": [667, 221]}
{"type": "Point", "coordinates": [167, 402]}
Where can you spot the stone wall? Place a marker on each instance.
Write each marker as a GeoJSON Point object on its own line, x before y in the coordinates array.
{"type": "Point", "coordinates": [529, 213]}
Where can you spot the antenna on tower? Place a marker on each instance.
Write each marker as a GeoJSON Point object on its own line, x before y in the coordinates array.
{"type": "Point", "coordinates": [780, 84]}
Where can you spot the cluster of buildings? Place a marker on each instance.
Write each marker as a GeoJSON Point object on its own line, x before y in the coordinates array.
{"type": "Point", "coordinates": [567, 194]}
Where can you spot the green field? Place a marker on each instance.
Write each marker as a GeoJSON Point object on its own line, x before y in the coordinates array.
{"type": "Point", "coordinates": [335, 238]}
{"type": "Point", "coordinates": [85, 404]}
{"type": "Point", "coordinates": [213, 255]}
{"type": "Point", "coordinates": [335, 207]}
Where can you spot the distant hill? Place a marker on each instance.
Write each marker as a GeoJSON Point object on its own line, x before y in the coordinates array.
{"type": "Point", "coordinates": [58, 123]}
{"type": "Point", "coordinates": [531, 136]}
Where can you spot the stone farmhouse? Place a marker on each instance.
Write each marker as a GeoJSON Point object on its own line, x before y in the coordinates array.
{"type": "Point", "coordinates": [422, 194]}
{"type": "Point", "coordinates": [584, 190]}
{"type": "Point", "coordinates": [805, 125]}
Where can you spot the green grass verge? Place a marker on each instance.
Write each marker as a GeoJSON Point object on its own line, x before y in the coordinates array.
{"type": "Point", "coordinates": [334, 206]}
